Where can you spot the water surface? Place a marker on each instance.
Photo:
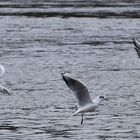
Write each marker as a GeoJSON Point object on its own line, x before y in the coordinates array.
{"type": "Point", "coordinates": [90, 40]}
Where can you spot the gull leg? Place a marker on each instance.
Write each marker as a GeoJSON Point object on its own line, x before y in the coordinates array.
{"type": "Point", "coordinates": [82, 119]}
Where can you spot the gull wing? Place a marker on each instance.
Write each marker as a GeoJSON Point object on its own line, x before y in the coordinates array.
{"type": "Point", "coordinates": [2, 70]}
{"type": "Point", "coordinates": [4, 90]}
{"type": "Point", "coordinates": [79, 89]}
{"type": "Point", "coordinates": [137, 46]}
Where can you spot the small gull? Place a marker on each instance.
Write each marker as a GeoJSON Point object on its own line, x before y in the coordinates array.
{"type": "Point", "coordinates": [85, 103]}
{"type": "Point", "coordinates": [137, 46]}
{"type": "Point", "coordinates": [2, 88]}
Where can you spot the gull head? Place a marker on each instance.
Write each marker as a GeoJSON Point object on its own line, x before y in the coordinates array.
{"type": "Point", "coordinates": [102, 98]}
{"type": "Point", "coordinates": [98, 99]}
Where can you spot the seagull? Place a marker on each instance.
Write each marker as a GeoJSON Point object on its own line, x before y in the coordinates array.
{"type": "Point", "coordinates": [2, 88]}
{"type": "Point", "coordinates": [85, 103]}
{"type": "Point", "coordinates": [137, 46]}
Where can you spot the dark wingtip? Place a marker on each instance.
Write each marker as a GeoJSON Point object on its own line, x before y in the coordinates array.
{"type": "Point", "coordinates": [62, 74]}
{"type": "Point", "coordinates": [138, 51]}
{"type": "Point", "coordinates": [64, 78]}
{"type": "Point", "coordinates": [134, 41]}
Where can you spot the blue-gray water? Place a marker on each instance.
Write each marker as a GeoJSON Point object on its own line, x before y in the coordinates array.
{"type": "Point", "coordinates": [90, 40]}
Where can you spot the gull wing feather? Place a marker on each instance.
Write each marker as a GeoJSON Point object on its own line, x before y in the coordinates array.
{"type": "Point", "coordinates": [137, 46]}
{"type": "Point", "coordinates": [80, 90]}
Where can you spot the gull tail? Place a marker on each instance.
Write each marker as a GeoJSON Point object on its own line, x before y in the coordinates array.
{"type": "Point", "coordinates": [74, 114]}
{"type": "Point", "coordinates": [78, 111]}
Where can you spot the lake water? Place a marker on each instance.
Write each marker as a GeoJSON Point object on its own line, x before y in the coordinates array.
{"type": "Point", "coordinates": [90, 40]}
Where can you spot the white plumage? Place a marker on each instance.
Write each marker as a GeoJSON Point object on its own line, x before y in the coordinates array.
{"type": "Point", "coordinates": [85, 103]}
{"type": "Point", "coordinates": [2, 88]}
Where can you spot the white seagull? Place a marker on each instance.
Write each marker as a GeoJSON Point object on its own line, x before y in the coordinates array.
{"type": "Point", "coordinates": [85, 103]}
{"type": "Point", "coordinates": [137, 46]}
{"type": "Point", "coordinates": [2, 88]}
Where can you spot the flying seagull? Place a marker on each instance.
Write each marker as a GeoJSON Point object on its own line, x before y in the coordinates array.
{"type": "Point", "coordinates": [137, 46]}
{"type": "Point", "coordinates": [85, 103]}
{"type": "Point", "coordinates": [2, 88]}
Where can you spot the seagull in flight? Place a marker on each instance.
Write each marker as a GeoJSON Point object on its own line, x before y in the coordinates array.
{"type": "Point", "coordinates": [137, 46]}
{"type": "Point", "coordinates": [85, 103]}
{"type": "Point", "coordinates": [2, 88]}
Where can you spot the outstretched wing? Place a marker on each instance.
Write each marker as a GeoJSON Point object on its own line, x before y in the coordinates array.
{"type": "Point", "coordinates": [137, 46]}
{"type": "Point", "coordinates": [80, 90]}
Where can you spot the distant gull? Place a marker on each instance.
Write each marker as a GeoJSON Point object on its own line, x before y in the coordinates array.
{"type": "Point", "coordinates": [2, 88]}
{"type": "Point", "coordinates": [85, 103]}
{"type": "Point", "coordinates": [137, 46]}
